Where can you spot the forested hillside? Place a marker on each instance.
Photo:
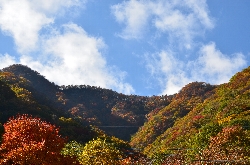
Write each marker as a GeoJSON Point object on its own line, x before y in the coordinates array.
{"type": "Point", "coordinates": [118, 114]}
{"type": "Point", "coordinates": [202, 123]}
{"type": "Point", "coordinates": [182, 103]}
{"type": "Point", "coordinates": [215, 129]}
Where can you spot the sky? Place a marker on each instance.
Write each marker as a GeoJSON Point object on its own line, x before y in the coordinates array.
{"type": "Point", "coordinates": [142, 47]}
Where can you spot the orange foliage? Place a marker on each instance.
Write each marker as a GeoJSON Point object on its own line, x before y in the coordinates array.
{"type": "Point", "coordinates": [229, 146]}
{"type": "Point", "coordinates": [29, 140]}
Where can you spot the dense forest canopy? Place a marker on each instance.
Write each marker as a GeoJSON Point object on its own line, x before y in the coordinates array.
{"type": "Point", "coordinates": [201, 123]}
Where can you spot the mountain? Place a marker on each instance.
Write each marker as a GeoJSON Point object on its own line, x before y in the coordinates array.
{"type": "Point", "coordinates": [18, 95]}
{"type": "Point", "coordinates": [117, 114]}
{"type": "Point", "coordinates": [201, 123]}
{"type": "Point", "coordinates": [160, 120]}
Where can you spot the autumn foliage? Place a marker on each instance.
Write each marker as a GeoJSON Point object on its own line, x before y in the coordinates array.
{"type": "Point", "coordinates": [29, 140]}
{"type": "Point", "coordinates": [230, 145]}
{"type": "Point", "coordinates": [201, 124]}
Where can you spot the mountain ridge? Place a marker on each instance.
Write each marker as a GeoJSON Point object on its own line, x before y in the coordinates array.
{"type": "Point", "coordinates": [92, 105]}
{"type": "Point", "coordinates": [183, 127]}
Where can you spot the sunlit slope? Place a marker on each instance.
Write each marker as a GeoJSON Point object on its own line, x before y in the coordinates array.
{"type": "Point", "coordinates": [215, 122]}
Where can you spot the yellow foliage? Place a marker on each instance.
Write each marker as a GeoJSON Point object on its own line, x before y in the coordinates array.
{"type": "Point", "coordinates": [100, 152]}
{"type": "Point", "coordinates": [22, 93]}
{"type": "Point", "coordinates": [226, 119]}
{"type": "Point", "coordinates": [67, 120]}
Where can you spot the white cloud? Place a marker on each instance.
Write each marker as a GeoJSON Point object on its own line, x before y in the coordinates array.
{"type": "Point", "coordinates": [65, 54]}
{"type": "Point", "coordinates": [212, 66]}
{"type": "Point", "coordinates": [134, 15]}
{"type": "Point", "coordinates": [174, 82]}
{"type": "Point", "coordinates": [217, 67]}
{"type": "Point", "coordinates": [55, 7]}
{"type": "Point", "coordinates": [181, 20]}
{"type": "Point", "coordinates": [78, 58]}
{"type": "Point", "coordinates": [74, 57]}
{"type": "Point", "coordinates": [23, 19]}
{"type": "Point", "coordinates": [20, 21]}
{"type": "Point", "coordinates": [200, 9]}
{"type": "Point", "coordinates": [6, 60]}
{"type": "Point", "coordinates": [168, 71]}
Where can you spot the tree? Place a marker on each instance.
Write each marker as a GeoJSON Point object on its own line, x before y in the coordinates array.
{"type": "Point", "coordinates": [103, 151]}
{"type": "Point", "coordinates": [29, 140]}
{"type": "Point", "coordinates": [232, 146]}
{"type": "Point", "coordinates": [73, 149]}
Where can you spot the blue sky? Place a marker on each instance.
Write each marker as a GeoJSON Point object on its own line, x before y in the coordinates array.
{"type": "Point", "coordinates": [143, 47]}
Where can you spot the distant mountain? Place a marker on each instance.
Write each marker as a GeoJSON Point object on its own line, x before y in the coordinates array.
{"type": "Point", "coordinates": [19, 96]}
{"type": "Point", "coordinates": [118, 114]}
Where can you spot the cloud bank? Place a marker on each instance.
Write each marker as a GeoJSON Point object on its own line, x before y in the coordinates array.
{"type": "Point", "coordinates": [181, 22]}
{"type": "Point", "coordinates": [211, 66]}
{"type": "Point", "coordinates": [215, 66]}
{"type": "Point", "coordinates": [65, 54]}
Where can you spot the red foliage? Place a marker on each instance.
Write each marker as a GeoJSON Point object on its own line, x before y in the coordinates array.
{"type": "Point", "coordinates": [29, 140]}
{"type": "Point", "coordinates": [198, 117]}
